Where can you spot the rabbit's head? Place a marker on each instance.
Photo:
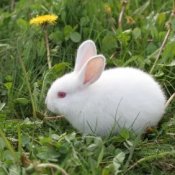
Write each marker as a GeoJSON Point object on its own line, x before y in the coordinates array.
{"type": "Point", "coordinates": [66, 90]}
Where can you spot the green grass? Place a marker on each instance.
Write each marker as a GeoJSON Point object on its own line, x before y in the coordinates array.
{"type": "Point", "coordinates": [31, 145]}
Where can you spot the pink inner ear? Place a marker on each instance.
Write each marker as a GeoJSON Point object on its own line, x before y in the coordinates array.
{"type": "Point", "coordinates": [87, 55]}
{"type": "Point", "coordinates": [93, 70]}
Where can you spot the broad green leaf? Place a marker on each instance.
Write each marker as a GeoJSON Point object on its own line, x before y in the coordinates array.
{"type": "Point", "coordinates": [9, 78]}
{"type": "Point", "coordinates": [75, 37]}
{"type": "Point", "coordinates": [47, 153]}
{"type": "Point", "coordinates": [124, 37]}
{"type": "Point", "coordinates": [118, 161]}
{"type": "Point", "coordinates": [169, 51]}
{"type": "Point", "coordinates": [84, 21]}
{"type": "Point", "coordinates": [151, 47]}
{"type": "Point", "coordinates": [8, 85]}
{"type": "Point", "coordinates": [22, 24]}
{"type": "Point", "coordinates": [161, 18]}
{"type": "Point", "coordinates": [22, 101]}
{"type": "Point", "coordinates": [108, 170]}
{"type": "Point", "coordinates": [57, 36]}
{"type": "Point", "coordinates": [45, 140]}
{"type": "Point", "coordinates": [136, 33]}
{"type": "Point", "coordinates": [124, 133]}
{"type": "Point", "coordinates": [109, 43]}
{"type": "Point", "coordinates": [14, 170]}
{"type": "Point", "coordinates": [8, 156]}
{"type": "Point", "coordinates": [67, 31]}
{"type": "Point", "coordinates": [25, 139]}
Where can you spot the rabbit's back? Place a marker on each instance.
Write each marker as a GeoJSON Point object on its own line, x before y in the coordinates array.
{"type": "Point", "coordinates": [122, 97]}
{"type": "Point", "coordinates": [130, 82]}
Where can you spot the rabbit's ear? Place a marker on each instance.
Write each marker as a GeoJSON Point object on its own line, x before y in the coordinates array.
{"type": "Point", "coordinates": [85, 51]}
{"type": "Point", "coordinates": [92, 70]}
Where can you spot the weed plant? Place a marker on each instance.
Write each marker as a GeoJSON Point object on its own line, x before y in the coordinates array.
{"type": "Point", "coordinates": [29, 144]}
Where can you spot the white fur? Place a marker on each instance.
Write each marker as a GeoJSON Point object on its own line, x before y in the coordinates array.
{"type": "Point", "coordinates": [119, 98]}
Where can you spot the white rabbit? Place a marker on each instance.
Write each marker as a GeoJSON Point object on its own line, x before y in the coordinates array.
{"type": "Point", "coordinates": [102, 102]}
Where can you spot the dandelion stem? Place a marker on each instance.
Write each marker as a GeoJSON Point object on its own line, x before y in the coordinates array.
{"type": "Point", "coordinates": [53, 118]}
{"type": "Point", "coordinates": [151, 158]}
{"type": "Point", "coordinates": [162, 47]}
{"type": "Point", "coordinates": [50, 165]}
{"type": "Point", "coordinates": [47, 47]}
{"type": "Point", "coordinates": [169, 100]}
{"type": "Point", "coordinates": [124, 3]}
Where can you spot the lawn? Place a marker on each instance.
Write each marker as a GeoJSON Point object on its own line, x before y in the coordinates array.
{"type": "Point", "coordinates": [132, 33]}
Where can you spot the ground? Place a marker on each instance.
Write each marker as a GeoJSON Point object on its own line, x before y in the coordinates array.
{"type": "Point", "coordinates": [129, 33]}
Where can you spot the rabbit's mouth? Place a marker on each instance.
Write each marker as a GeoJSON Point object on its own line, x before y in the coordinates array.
{"type": "Point", "coordinates": [50, 105]}
{"type": "Point", "coordinates": [46, 100]}
{"type": "Point", "coordinates": [51, 108]}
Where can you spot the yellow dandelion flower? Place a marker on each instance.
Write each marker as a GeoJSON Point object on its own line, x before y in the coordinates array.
{"type": "Point", "coordinates": [107, 9]}
{"type": "Point", "coordinates": [130, 20]}
{"type": "Point", "coordinates": [44, 19]}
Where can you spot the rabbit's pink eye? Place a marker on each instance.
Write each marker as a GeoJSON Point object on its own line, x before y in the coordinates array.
{"type": "Point", "coordinates": [61, 94]}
